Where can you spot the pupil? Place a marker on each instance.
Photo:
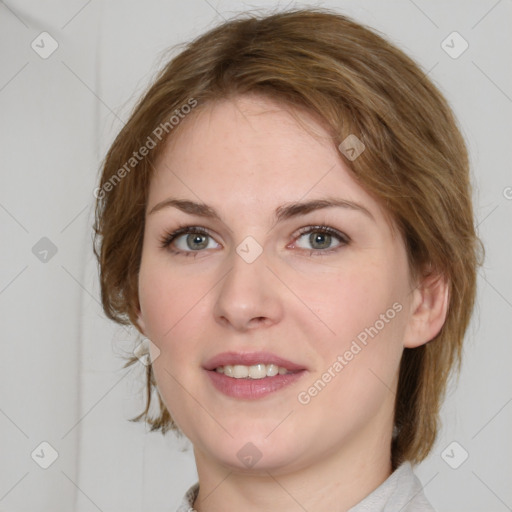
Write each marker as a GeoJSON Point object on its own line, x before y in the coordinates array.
{"type": "Point", "coordinates": [318, 238]}
{"type": "Point", "coordinates": [196, 239]}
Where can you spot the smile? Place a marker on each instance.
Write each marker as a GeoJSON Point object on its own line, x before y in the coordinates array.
{"type": "Point", "coordinates": [250, 376]}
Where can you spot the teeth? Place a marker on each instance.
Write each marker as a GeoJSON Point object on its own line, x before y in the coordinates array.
{"type": "Point", "coordinates": [273, 369]}
{"type": "Point", "coordinates": [256, 371]}
{"type": "Point", "coordinates": [240, 372]}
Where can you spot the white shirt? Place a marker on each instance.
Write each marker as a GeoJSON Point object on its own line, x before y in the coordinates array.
{"type": "Point", "coordinates": [401, 492]}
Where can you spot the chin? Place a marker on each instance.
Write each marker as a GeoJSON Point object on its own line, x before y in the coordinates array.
{"type": "Point", "coordinates": [255, 450]}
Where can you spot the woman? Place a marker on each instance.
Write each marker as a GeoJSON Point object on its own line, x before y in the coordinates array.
{"type": "Point", "coordinates": [287, 218]}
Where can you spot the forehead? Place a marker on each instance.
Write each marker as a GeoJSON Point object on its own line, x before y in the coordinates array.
{"type": "Point", "coordinates": [250, 152]}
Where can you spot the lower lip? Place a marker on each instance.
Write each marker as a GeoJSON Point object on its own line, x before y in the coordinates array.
{"type": "Point", "coordinates": [251, 389]}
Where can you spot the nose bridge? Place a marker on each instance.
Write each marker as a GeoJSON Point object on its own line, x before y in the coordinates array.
{"type": "Point", "coordinates": [246, 279]}
{"type": "Point", "coordinates": [245, 295]}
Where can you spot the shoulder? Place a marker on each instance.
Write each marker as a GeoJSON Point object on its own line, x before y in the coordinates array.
{"type": "Point", "coordinates": [401, 491]}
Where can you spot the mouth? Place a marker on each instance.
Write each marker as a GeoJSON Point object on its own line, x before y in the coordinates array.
{"type": "Point", "coordinates": [251, 375]}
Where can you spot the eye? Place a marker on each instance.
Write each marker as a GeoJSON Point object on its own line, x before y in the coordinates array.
{"type": "Point", "coordinates": [320, 239]}
{"type": "Point", "coordinates": [187, 240]}
{"type": "Point", "coordinates": [191, 240]}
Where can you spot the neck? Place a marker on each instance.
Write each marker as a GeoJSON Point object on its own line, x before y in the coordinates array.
{"type": "Point", "coordinates": [337, 480]}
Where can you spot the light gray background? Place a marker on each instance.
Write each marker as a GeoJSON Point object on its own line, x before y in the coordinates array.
{"type": "Point", "coordinates": [61, 379]}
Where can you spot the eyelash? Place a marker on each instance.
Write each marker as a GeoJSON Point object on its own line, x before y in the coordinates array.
{"type": "Point", "coordinates": [167, 239]}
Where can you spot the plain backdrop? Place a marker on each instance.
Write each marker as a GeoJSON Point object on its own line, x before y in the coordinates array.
{"type": "Point", "coordinates": [61, 376]}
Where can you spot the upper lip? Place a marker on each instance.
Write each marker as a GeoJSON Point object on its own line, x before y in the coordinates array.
{"type": "Point", "coordinates": [250, 358]}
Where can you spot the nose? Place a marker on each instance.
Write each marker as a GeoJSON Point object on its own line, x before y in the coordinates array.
{"type": "Point", "coordinates": [249, 295]}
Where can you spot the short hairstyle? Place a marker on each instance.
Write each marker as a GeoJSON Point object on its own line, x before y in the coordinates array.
{"type": "Point", "coordinates": [415, 164]}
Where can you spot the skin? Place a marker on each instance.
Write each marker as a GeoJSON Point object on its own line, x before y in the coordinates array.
{"type": "Point", "coordinates": [245, 157]}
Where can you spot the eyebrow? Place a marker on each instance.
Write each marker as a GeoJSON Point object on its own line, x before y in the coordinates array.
{"type": "Point", "coordinates": [283, 212]}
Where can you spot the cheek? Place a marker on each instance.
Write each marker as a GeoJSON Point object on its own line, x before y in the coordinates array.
{"type": "Point", "coordinates": [357, 366]}
{"type": "Point", "coordinates": [176, 309]}
{"type": "Point", "coordinates": [169, 306]}
{"type": "Point", "coordinates": [352, 298]}
{"type": "Point", "coordinates": [364, 305]}
{"type": "Point", "coordinates": [166, 297]}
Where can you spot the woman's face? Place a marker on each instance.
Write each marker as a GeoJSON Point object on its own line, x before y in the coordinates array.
{"type": "Point", "coordinates": [280, 323]}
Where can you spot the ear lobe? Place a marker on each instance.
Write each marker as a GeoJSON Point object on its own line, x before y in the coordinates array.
{"type": "Point", "coordinates": [428, 310]}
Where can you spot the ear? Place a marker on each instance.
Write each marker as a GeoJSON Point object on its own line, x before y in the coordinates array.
{"type": "Point", "coordinates": [429, 307]}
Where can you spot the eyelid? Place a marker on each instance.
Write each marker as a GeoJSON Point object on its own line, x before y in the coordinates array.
{"type": "Point", "coordinates": [323, 228]}
{"type": "Point", "coordinates": [168, 237]}
{"type": "Point", "coordinates": [343, 239]}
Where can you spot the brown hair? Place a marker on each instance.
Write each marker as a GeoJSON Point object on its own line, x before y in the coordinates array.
{"type": "Point", "coordinates": [415, 164]}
